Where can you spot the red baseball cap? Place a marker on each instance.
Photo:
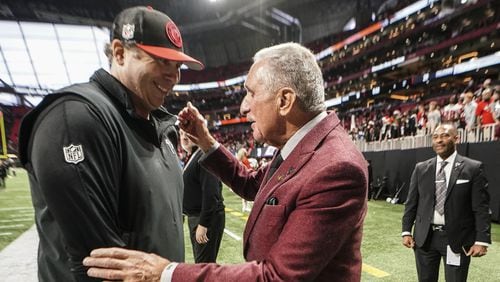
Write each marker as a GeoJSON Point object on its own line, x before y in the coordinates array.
{"type": "Point", "coordinates": [154, 32]}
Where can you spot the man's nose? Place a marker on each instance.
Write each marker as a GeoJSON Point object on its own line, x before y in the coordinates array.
{"type": "Point", "coordinates": [244, 107]}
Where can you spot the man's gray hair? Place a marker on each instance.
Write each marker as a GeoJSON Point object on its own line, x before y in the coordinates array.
{"type": "Point", "coordinates": [292, 65]}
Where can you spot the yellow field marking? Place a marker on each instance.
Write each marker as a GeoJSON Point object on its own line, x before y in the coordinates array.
{"type": "Point", "coordinates": [374, 271]}
{"type": "Point", "coordinates": [236, 213]}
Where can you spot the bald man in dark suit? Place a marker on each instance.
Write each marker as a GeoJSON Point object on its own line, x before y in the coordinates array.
{"type": "Point", "coordinates": [448, 206]}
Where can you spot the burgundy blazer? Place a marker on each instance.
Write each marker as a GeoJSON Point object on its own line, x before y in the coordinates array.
{"type": "Point", "coordinates": [313, 232]}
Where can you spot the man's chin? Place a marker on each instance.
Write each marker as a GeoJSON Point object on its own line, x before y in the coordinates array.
{"type": "Point", "coordinates": [257, 136]}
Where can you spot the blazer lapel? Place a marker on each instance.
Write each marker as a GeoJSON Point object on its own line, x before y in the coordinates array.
{"type": "Point", "coordinates": [291, 166]}
{"type": "Point", "coordinates": [192, 159]}
{"type": "Point", "coordinates": [429, 175]}
{"type": "Point", "coordinates": [455, 172]}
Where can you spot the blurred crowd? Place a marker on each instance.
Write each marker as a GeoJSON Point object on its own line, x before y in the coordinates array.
{"type": "Point", "coordinates": [474, 107]}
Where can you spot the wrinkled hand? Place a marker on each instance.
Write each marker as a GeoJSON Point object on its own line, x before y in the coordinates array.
{"type": "Point", "coordinates": [408, 241]}
{"type": "Point", "coordinates": [195, 126]}
{"type": "Point", "coordinates": [124, 265]}
{"type": "Point", "coordinates": [201, 234]}
{"type": "Point", "coordinates": [477, 251]}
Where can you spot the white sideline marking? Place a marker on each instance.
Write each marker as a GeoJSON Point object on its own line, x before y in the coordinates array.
{"type": "Point", "coordinates": [19, 215]}
{"type": "Point", "coordinates": [232, 235]}
{"type": "Point", "coordinates": [25, 211]}
{"type": "Point", "coordinates": [16, 220]}
{"type": "Point", "coordinates": [15, 209]}
{"type": "Point", "coordinates": [11, 226]}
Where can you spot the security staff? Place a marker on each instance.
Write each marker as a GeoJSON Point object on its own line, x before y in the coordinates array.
{"type": "Point", "coordinates": [203, 205]}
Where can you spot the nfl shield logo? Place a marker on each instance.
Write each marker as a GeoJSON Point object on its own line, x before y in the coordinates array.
{"type": "Point", "coordinates": [73, 154]}
{"type": "Point", "coordinates": [128, 31]}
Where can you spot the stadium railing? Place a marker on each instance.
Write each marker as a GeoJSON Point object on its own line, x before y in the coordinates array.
{"type": "Point", "coordinates": [480, 134]}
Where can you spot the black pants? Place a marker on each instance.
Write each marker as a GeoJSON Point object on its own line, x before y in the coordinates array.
{"type": "Point", "coordinates": [429, 256]}
{"type": "Point", "coordinates": [207, 252]}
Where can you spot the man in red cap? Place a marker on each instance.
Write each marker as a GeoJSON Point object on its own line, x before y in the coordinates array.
{"type": "Point", "coordinates": [101, 155]}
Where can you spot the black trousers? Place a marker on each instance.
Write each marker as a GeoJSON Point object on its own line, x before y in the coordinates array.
{"type": "Point", "coordinates": [207, 252]}
{"type": "Point", "coordinates": [429, 256]}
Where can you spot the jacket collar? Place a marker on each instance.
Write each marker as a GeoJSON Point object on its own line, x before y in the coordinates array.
{"type": "Point", "coordinates": [300, 134]}
{"type": "Point", "coordinates": [121, 95]}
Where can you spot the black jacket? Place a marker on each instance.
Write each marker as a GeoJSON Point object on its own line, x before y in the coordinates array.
{"type": "Point", "coordinates": [202, 191]}
{"type": "Point", "coordinates": [100, 176]}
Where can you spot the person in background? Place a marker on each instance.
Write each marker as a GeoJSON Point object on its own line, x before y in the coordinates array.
{"type": "Point", "coordinates": [101, 155]}
{"type": "Point", "coordinates": [307, 219]}
{"type": "Point", "coordinates": [495, 104]}
{"type": "Point", "coordinates": [484, 110]}
{"type": "Point", "coordinates": [242, 156]}
{"type": "Point", "coordinates": [3, 173]}
{"type": "Point", "coordinates": [421, 119]}
{"type": "Point", "coordinates": [433, 117]}
{"type": "Point", "coordinates": [448, 209]}
{"type": "Point", "coordinates": [469, 111]}
{"type": "Point", "coordinates": [452, 111]}
{"type": "Point", "coordinates": [203, 204]}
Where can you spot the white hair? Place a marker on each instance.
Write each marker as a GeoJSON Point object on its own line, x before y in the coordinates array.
{"type": "Point", "coordinates": [292, 65]}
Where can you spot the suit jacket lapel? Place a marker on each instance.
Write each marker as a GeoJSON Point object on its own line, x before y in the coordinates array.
{"type": "Point", "coordinates": [455, 172]}
{"type": "Point", "coordinates": [192, 159]}
{"type": "Point", "coordinates": [295, 161]}
{"type": "Point", "coordinates": [429, 175]}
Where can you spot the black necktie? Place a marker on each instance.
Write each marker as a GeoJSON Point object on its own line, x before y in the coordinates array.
{"type": "Point", "coordinates": [274, 165]}
{"type": "Point", "coordinates": [441, 189]}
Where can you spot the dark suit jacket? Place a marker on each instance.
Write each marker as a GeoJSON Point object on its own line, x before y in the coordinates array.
{"type": "Point", "coordinates": [466, 210]}
{"type": "Point", "coordinates": [314, 231]}
{"type": "Point", "coordinates": [202, 191]}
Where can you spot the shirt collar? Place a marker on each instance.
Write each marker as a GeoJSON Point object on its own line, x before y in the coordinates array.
{"type": "Point", "coordinates": [450, 159]}
{"type": "Point", "coordinates": [299, 135]}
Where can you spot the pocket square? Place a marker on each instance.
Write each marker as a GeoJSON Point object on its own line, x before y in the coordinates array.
{"type": "Point", "coordinates": [461, 181]}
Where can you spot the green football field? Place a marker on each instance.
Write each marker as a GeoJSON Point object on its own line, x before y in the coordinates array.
{"type": "Point", "coordinates": [384, 258]}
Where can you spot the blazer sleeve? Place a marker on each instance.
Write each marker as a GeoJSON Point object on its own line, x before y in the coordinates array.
{"type": "Point", "coordinates": [228, 169]}
{"type": "Point", "coordinates": [411, 203]}
{"type": "Point", "coordinates": [327, 219]}
{"type": "Point", "coordinates": [480, 205]}
{"type": "Point", "coordinates": [80, 197]}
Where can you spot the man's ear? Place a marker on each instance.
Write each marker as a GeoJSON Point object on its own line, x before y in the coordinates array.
{"type": "Point", "coordinates": [118, 51]}
{"type": "Point", "coordinates": [286, 99]}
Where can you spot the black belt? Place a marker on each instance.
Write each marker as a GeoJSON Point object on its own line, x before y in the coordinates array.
{"type": "Point", "coordinates": [437, 227]}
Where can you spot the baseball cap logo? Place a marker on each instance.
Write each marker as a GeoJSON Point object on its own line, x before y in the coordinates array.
{"type": "Point", "coordinates": [128, 31]}
{"type": "Point", "coordinates": [174, 34]}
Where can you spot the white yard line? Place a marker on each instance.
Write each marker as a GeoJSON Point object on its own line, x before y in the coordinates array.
{"type": "Point", "coordinates": [24, 214]}
{"type": "Point", "coordinates": [232, 235]}
{"type": "Point", "coordinates": [17, 220]}
{"type": "Point", "coordinates": [11, 226]}
{"type": "Point", "coordinates": [16, 209]}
